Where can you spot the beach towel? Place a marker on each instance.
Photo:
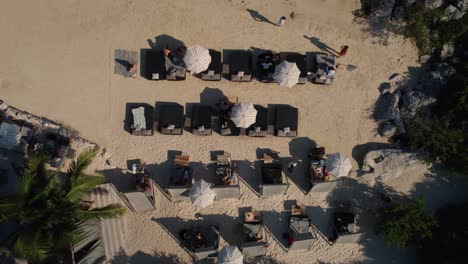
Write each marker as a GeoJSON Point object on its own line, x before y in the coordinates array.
{"type": "Point", "coordinates": [122, 61]}
{"type": "Point", "coordinates": [139, 121]}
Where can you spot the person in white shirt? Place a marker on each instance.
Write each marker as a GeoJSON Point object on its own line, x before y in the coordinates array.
{"type": "Point", "coordinates": [281, 21]}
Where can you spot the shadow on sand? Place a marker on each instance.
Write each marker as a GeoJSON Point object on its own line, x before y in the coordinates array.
{"type": "Point", "coordinates": [258, 17]}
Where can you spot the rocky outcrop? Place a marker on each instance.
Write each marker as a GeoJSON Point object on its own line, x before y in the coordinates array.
{"type": "Point", "coordinates": [385, 108]}
{"type": "Point", "coordinates": [380, 8]}
{"type": "Point", "coordinates": [387, 164]}
{"type": "Point", "coordinates": [452, 13]}
{"type": "Point", "coordinates": [433, 3]}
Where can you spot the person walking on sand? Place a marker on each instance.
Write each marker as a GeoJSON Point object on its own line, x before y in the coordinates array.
{"type": "Point", "coordinates": [281, 21]}
{"type": "Point", "coordinates": [343, 51]}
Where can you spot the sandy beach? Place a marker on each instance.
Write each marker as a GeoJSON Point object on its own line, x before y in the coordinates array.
{"type": "Point", "coordinates": [58, 63]}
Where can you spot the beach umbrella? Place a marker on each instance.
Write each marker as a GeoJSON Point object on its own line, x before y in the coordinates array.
{"type": "Point", "coordinates": [197, 59]}
{"type": "Point", "coordinates": [338, 164]}
{"type": "Point", "coordinates": [230, 255]}
{"type": "Point", "coordinates": [286, 74]}
{"type": "Point", "coordinates": [201, 194]}
{"type": "Point", "coordinates": [243, 114]}
{"type": "Point", "coordinates": [9, 136]}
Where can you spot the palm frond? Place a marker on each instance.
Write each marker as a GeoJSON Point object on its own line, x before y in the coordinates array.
{"type": "Point", "coordinates": [83, 185]}
{"type": "Point", "coordinates": [8, 209]}
{"type": "Point", "coordinates": [34, 171]}
{"type": "Point", "coordinates": [110, 211]}
{"type": "Point", "coordinates": [78, 166]}
{"type": "Point", "coordinates": [33, 247]}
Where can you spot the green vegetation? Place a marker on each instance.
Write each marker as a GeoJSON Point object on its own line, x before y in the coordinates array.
{"type": "Point", "coordinates": [449, 242]}
{"type": "Point", "coordinates": [51, 216]}
{"type": "Point", "coordinates": [427, 29]}
{"type": "Point", "coordinates": [443, 136]}
{"type": "Point", "coordinates": [403, 223]}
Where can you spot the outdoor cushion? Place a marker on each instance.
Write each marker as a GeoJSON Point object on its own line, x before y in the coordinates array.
{"type": "Point", "coordinates": [155, 76]}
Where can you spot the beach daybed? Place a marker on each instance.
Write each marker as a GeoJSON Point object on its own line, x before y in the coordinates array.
{"type": "Point", "coordinates": [240, 67]}
{"type": "Point", "coordinates": [171, 119]}
{"type": "Point", "coordinates": [228, 128]}
{"type": "Point", "coordinates": [266, 63]}
{"type": "Point", "coordinates": [274, 181]}
{"type": "Point", "coordinates": [214, 71]}
{"type": "Point", "coordinates": [286, 119]}
{"type": "Point", "coordinates": [226, 178]}
{"type": "Point", "coordinates": [155, 65]}
{"type": "Point", "coordinates": [301, 63]}
{"type": "Point", "coordinates": [344, 225]}
{"type": "Point", "coordinates": [201, 241]}
{"type": "Point", "coordinates": [180, 179]}
{"type": "Point", "coordinates": [201, 120]}
{"type": "Point", "coordinates": [323, 69]}
{"type": "Point", "coordinates": [299, 229]}
{"type": "Point", "coordinates": [254, 241]}
{"type": "Point", "coordinates": [260, 127]}
{"type": "Point", "coordinates": [140, 119]}
{"type": "Point", "coordinates": [321, 180]}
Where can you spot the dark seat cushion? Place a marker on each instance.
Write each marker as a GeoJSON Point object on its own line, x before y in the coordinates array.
{"type": "Point", "coordinates": [241, 61]}
{"type": "Point", "coordinates": [300, 61]}
{"type": "Point", "coordinates": [155, 63]}
{"type": "Point", "coordinates": [201, 116]}
{"type": "Point", "coordinates": [216, 64]}
{"type": "Point", "coordinates": [272, 173]}
{"type": "Point", "coordinates": [286, 116]}
{"type": "Point", "coordinates": [262, 118]}
{"type": "Point", "coordinates": [171, 115]}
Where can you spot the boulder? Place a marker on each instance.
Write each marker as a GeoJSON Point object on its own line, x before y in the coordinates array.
{"type": "Point", "coordinates": [447, 50]}
{"type": "Point", "coordinates": [424, 58]}
{"type": "Point", "coordinates": [433, 3]}
{"type": "Point", "coordinates": [386, 164]}
{"type": "Point", "coordinates": [412, 101]}
{"type": "Point", "coordinates": [462, 5]}
{"type": "Point", "coordinates": [385, 88]}
{"type": "Point", "coordinates": [452, 13]}
{"type": "Point", "coordinates": [444, 69]}
{"type": "Point", "coordinates": [398, 13]}
{"type": "Point", "coordinates": [380, 8]}
{"type": "Point", "coordinates": [407, 3]}
{"type": "Point", "coordinates": [387, 129]}
{"type": "Point", "coordinates": [385, 107]}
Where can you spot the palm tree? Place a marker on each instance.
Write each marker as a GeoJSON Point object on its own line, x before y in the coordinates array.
{"type": "Point", "coordinates": [51, 216]}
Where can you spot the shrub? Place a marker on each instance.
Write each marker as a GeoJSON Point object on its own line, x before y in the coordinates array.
{"type": "Point", "coordinates": [402, 223]}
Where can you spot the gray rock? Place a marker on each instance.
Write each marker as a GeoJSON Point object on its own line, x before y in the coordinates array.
{"type": "Point", "coordinates": [433, 3]}
{"type": "Point", "coordinates": [452, 13]}
{"type": "Point", "coordinates": [398, 122]}
{"type": "Point", "coordinates": [424, 58]}
{"type": "Point", "coordinates": [447, 50]}
{"type": "Point", "coordinates": [398, 13]}
{"type": "Point", "coordinates": [407, 3]}
{"type": "Point", "coordinates": [385, 107]}
{"type": "Point", "coordinates": [385, 88]}
{"type": "Point", "coordinates": [461, 4]}
{"type": "Point", "coordinates": [412, 101]}
{"type": "Point", "coordinates": [381, 8]}
{"type": "Point", "coordinates": [387, 129]}
{"type": "Point", "coordinates": [446, 70]}
{"type": "Point", "coordinates": [388, 164]}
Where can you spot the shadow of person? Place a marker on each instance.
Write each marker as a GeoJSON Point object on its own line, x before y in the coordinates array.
{"type": "Point", "coordinates": [258, 17]}
{"type": "Point", "coordinates": [322, 46]}
{"type": "Point", "coordinates": [124, 63]}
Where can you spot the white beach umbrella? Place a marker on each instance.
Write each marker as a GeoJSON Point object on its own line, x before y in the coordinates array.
{"type": "Point", "coordinates": [197, 59]}
{"type": "Point", "coordinates": [9, 136]}
{"type": "Point", "coordinates": [201, 194]}
{"type": "Point", "coordinates": [243, 114]}
{"type": "Point", "coordinates": [286, 74]}
{"type": "Point", "coordinates": [338, 164]}
{"type": "Point", "coordinates": [230, 255]}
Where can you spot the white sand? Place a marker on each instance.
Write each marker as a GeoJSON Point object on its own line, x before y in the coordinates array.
{"type": "Point", "coordinates": [58, 62]}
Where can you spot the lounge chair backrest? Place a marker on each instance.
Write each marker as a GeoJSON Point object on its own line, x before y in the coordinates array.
{"type": "Point", "coordinates": [254, 249]}
{"type": "Point", "coordinates": [349, 238]}
{"type": "Point", "coordinates": [273, 189]}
